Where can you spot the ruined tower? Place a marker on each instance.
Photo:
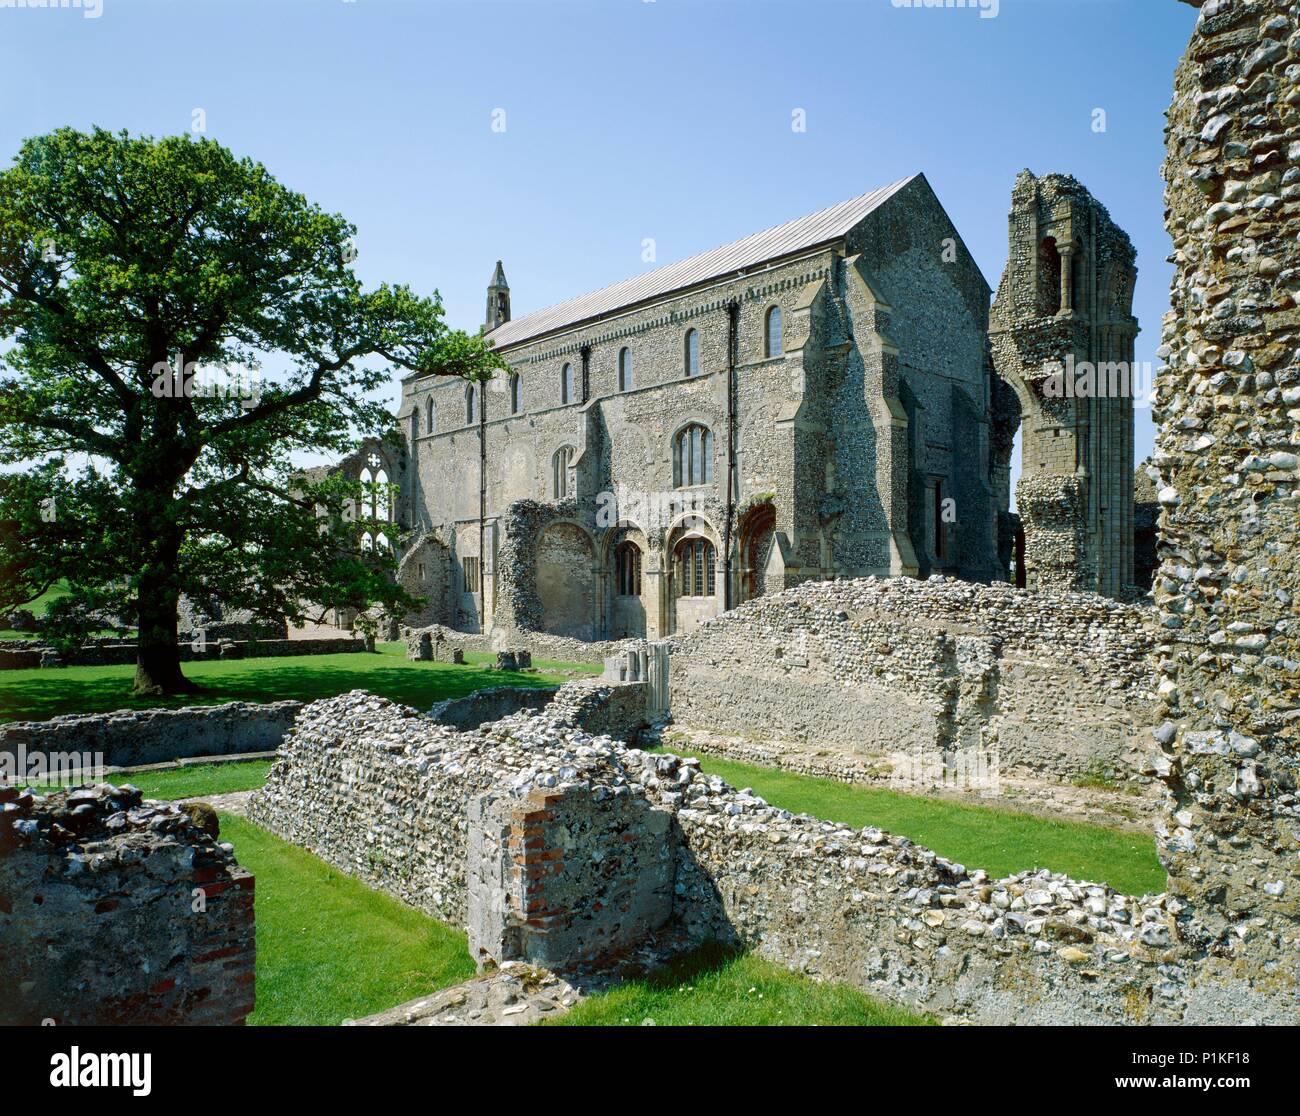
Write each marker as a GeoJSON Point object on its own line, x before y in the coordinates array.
{"type": "Point", "coordinates": [1062, 333]}
{"type": "Point", "coordinates": [498, 300]}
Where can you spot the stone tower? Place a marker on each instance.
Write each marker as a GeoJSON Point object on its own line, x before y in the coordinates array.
{"type": "Point", "coordinates": [498, 300]}
{"type": "Point", "coordinates": [1062, 333]}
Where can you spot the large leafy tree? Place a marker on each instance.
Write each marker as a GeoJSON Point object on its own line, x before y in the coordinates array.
{"type": "Point", "coordinates": [139, 280]}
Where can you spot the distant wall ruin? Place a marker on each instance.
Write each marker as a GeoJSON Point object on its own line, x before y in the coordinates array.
{"type": "Point", "coordinates": [1059, 686]}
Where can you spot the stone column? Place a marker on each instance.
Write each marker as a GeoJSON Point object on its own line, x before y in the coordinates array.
{"type": "Point", "coordinates": [1067, 277]}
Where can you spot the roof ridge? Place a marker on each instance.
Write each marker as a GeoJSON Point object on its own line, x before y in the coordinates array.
{"type": "Point", "coordinates": [876, 198]}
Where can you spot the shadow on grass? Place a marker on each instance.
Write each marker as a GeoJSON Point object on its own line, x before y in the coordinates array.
{"type": "Point", "coordinates": [39, 694]}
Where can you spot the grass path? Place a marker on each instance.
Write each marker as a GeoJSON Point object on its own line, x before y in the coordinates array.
{"type": "Point", "coordinates": [328, 947]}
{"type": "Point", "coordinates": [997, 840]}
{"type": "Point", "coordinates": [713, 987]}
{"type": "Point", "coordinates": [39, 694]}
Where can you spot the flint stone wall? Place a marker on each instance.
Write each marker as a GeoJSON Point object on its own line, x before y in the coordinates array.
{"type": "Point", "coordinates": [1228, 408]}
{"type": "Point", "coordinates": [28, 656]}
{"type": "Point", "coordinates": [386, 794]}
{"type": "Point", "coordinates": [483, 706]}
{"type": "Point", "coordinates": [130, 737]}
{"type": "Point", "coordinates": [100, 867]}
{"type": "Point", "coordinates": [1062, 684]}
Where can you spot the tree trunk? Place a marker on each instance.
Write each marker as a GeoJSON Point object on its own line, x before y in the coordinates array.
{"type": "Point", "coordinates": [158, 655]}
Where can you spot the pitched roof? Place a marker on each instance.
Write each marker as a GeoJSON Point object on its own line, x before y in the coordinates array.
{"type": "Point", "coordinates": [782, 240]}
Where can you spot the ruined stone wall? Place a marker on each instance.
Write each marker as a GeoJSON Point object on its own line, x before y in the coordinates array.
{"type": "Point", "coordinates": [1061, 335]}
{"type": "Point", "coordinates": [490, 704]}
{"type": "Point", "coordinates": [1228, 408]}
{"type": "Point", "coordinates": [445, 820]}
{"type": "Point", "coordinates": [26, 654]}
{"type": "Point", "coordinates": [1060, 686]}
{"type": "Point", "coordinates": [131, 737]}
{"type": "Point", "coordinates": [382, 792]}
{"type": "Point", "coordinates": [118, 911]}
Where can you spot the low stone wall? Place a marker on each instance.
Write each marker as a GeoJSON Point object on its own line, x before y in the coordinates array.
{"type": "Point", "coordinates": [540, 645]}
{"type": "Point", "coordinates": [491, 704]}
{"type": "Point", "coordinates": [1060, 685]}
{"type": "Point", "coordinates": [385, 794]}
{"type": "Point", "coordinates": [130, 737]}
{"type": "Point", "coordinates": [29, 656]}
{"type": "Point", "coordinates": [118, 911]}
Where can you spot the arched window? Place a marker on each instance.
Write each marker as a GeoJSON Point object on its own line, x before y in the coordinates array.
{"type": "Point", "coordinates": [516, 394]}
{"type": "Point", "coordinates": [696, 576]}
{"type": "Point", "coordinates": [431, 418]}
{"type": "Point", "coordinates": [566, 384]}
{"type": "Point", "coordinates": [367, 543]}
{"type": "Point", "coordinates": [560, 472]}
{"type": "Point", "coordinates": [692, 352]}
{"type": "Point", "coordinates": [772, 332]}
{"type": "Point", "coordinates": [380, 503]}
{"type": "Point", "coordinates": [627, 569]}
{"type": "Point", "coordinates": [381, 541]}
{"type": "Point", "coordinates": [471, 404]}
{"type": "Point", "coordinates": [367, 479]}
{"type": "Point", "coordinates": [624, 369]}
{"type": "Point", "coordinates": [693, 456]}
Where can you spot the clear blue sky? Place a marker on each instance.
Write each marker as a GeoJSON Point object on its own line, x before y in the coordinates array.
{"type": "Point", "coordinates": [625, 119]}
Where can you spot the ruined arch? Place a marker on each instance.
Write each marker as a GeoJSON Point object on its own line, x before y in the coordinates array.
{"type": "Point", "coordinates": [563, 561]}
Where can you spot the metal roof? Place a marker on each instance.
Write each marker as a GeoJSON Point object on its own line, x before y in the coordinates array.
{"type": "Point", "coordinates": [781, 240]}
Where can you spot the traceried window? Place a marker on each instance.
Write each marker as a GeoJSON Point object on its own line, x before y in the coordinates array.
{"type": "Point", "coordinates": [566, 384]}
{"type": "Point", "coordinates": [692, 352]}
{"type": "Point", "coordinates": [696, 576]}
{"type": "Point", "coordinates": [772, 332]}
{"type": "Point", "coordinates": [624, 369]}
{"type": "Point", "coordinates": [516, 394]}
{"type": "Point", "coordinates": [627, 569]}
{"type": "Point", "coordinates": [560, 464]}
{"type": "Point", "coordinates": [693, 456]}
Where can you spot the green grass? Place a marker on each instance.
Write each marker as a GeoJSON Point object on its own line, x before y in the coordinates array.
{"type": "Point", "coordinates": [999, 841]}
{"type": "Point", "coordinates": [200, 780]}
{"type": "Point", "coordinates": [36, 608]}
{"type": "Point", "coordinates": [714, 987]}
{"type": "Point", "coordinates": [41, 693]}
{"type": "Point", "coordinates": [328, 947]}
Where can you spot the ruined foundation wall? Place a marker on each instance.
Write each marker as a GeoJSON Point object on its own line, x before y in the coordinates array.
{"type": "Point", "coordinates": [1062, 684]}
{"type": "Point", "coordinates": [132, 737]}
{"type": "Point", "coordinates": [98, 918]}
{"type": "Point", "coordinates": [552, 844]}
{"type": "Point", "coordinates": [1228, 409]}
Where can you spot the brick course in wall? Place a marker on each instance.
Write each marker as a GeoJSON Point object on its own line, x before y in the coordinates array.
{"type": "Point", "coordinates": [115, 910]}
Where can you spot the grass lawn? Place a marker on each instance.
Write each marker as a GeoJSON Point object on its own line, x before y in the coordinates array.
{"type": "Point", "coordinates": [38, 694]}
{"type": "Point", "coordinates": [200, 779]}
{"type": "Point", "coordinates": [328, 947]}
{"type": "Point", "coordinates": [713, 987]}
{"type": "Point", "coordinates": [36, 608]}
{"type": "Point", "coordinates": [999, 841]}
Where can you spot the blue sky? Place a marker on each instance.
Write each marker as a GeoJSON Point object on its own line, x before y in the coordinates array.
{"type": "Point", "coordinates": [624, 119]}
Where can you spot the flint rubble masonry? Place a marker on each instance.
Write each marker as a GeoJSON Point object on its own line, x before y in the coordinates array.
{"type": "Point", "coordinates": [98, 897]}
